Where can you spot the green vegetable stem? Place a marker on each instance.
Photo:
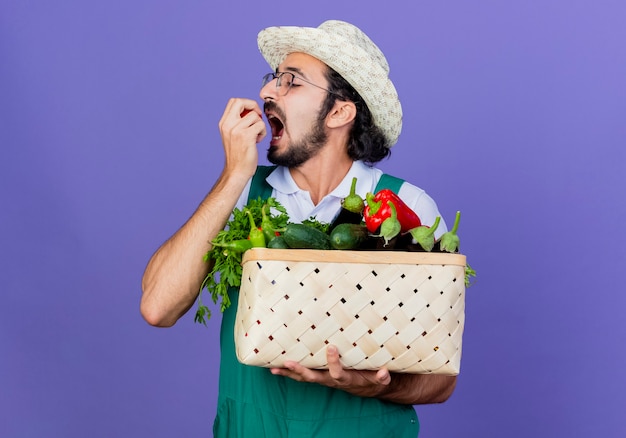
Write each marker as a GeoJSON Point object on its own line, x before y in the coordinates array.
{"type": "Point", "coordinates": [236, 246]}
{"type": "Point", "coordinates": [257, 238]}
{"type": "Point", "coordinates": [267, 225]}
{"type": "Point", "coordinates": [353, 202]}
{"type": "Point", "coordinates": [425, 235]}
{"type": "Point", "coordinates": [450, 241]}
{"type": "Point", "coordinates": [391, 226]}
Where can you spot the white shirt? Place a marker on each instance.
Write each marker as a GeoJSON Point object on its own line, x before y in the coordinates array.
{"type": "Point", "coordinates": [300, 206]}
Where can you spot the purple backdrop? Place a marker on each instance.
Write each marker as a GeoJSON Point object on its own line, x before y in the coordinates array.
{"type": "Point", "coordinates": [514, 114]}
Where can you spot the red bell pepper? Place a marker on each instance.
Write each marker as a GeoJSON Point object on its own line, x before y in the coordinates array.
{"type": "Point", "coordinates": [377, 210]}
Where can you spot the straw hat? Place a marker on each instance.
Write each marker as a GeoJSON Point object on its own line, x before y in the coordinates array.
{"type": "Point", "coordinates": [347, 50]}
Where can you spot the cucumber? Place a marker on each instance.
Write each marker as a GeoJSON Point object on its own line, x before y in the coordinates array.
{"type": "Point", "coordinates": [348, 236]}
{"type": "Point", "coordinates": [300, 236]}
{"type": "Point", "coordinates": [346, 217]}
{"type": "Point", "coordinates": [278, 242]}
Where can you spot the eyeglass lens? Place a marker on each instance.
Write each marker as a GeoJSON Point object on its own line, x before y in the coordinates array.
{"type": "Point", "coordinates": [283, 81]}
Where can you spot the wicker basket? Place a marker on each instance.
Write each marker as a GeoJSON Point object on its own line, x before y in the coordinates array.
{"type": "Point", "coordinates": [400, 310]}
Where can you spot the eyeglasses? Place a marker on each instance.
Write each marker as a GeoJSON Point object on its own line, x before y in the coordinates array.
{"type": "Point", "coordinates": [284, 82]}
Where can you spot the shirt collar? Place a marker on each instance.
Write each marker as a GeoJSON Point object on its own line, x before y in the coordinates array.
{"type": "Point", "coordinates": [280, 180]}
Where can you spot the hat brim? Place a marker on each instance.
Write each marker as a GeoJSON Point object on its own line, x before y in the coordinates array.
{"type": "Point", "coordinates": [368, 77]}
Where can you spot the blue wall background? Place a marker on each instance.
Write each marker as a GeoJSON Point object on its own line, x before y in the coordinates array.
{"type": "Point", "coordinates": [514, 113]}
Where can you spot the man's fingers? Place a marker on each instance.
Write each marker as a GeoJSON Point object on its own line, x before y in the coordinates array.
{"type": "Point", "coordinates": [335, 369]}
{"type": "Point", "coordinates": [383, 377]}
{"type": "Point", "coordinates": [363, 383]}
{"type": "Point", "coordinates": [297, 372]}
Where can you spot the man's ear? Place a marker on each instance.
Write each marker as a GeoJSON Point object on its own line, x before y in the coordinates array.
{"type": "Point", "coordinates": [343, 113]}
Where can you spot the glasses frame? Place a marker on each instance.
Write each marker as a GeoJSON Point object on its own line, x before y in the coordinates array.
{"type": "Point", "coordinates": [269, 77]}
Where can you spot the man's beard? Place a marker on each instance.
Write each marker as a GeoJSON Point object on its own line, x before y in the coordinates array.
{"type": "Point", "coordinates": [299, 152]}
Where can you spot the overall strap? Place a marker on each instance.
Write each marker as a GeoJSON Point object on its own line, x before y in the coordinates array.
{"type": "Point", "coordinates": [387, 181]}
{"type": "Point", "coordinates": [259, 187]}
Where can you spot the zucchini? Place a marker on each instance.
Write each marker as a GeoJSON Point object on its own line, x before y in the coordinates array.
{"type": "Point", "coordinates": [300, 236]}
{"type": "Point", "coordinates": [348, 236]}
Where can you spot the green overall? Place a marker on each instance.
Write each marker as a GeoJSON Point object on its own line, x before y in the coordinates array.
{"type": "Point", "coordinates": [254, 403]}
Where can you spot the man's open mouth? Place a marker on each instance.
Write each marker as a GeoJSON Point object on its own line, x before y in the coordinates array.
{"type": "Point", "coordinates": [275, 118]}
{"type": "Point", "coordinates": [276, 125]}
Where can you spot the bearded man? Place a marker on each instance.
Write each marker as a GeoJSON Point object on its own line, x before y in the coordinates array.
{"type": "Point", "coordinates": [333, 113]}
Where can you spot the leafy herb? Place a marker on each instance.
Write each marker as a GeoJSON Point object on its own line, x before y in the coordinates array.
{"type": "Point", "coordinates": [314, 223]}
{"type": "Point", "coordinates": [469, 273]}
{"type": "Point", "coordinates": [226, 253]}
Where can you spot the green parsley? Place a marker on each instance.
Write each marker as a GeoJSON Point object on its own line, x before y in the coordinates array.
{"type": "Point", "coordinates": [226, 270]}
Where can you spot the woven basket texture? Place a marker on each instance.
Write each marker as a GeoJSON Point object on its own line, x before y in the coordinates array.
{"type": "Point", "coordinates": [400, 310]}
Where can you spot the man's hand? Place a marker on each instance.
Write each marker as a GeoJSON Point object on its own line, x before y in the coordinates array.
{"type": "Point", "coordinates": [400, 388]}
{"type": "Point", "coordinates": [241, 128]}
{"type": "Point", "coordinates": [173, 277]}
{"type": "Point", "coordinates": [357, 382]}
